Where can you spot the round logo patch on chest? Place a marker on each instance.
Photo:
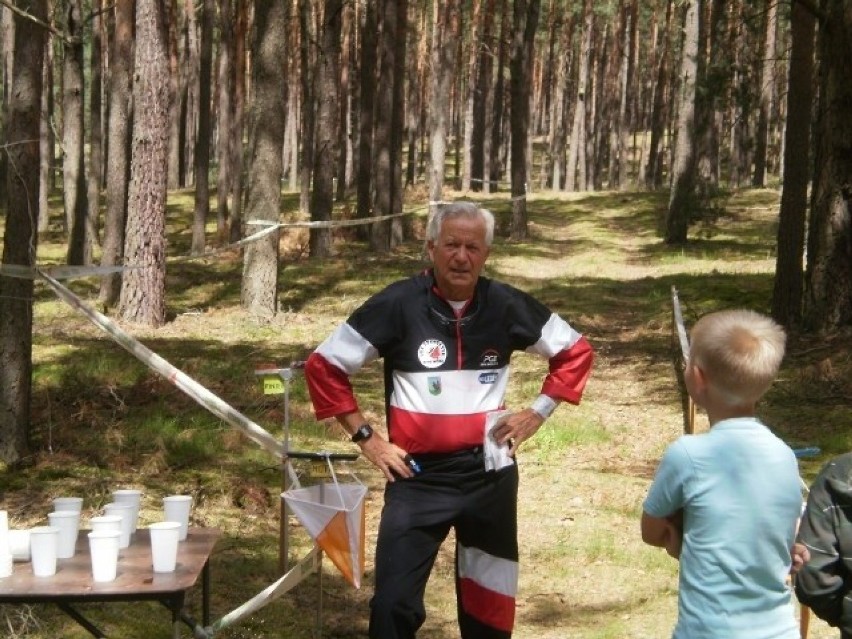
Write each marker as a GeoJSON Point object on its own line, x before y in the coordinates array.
{"type": "Point", "coordinates": [432, 353]}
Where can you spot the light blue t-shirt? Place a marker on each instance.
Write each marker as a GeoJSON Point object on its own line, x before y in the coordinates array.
{"type": "Point", "coordinates": [739, 488]}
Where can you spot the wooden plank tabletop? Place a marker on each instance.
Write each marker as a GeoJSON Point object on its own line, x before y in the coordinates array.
{"type": "Point", "coordinates": [135, 577]}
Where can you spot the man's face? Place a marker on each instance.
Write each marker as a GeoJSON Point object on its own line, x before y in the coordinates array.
{"type": "Point", "coordinates": [458, 256]}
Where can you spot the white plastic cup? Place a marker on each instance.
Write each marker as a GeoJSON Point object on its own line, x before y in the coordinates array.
{"type": "Point", "coordinates": [4, 532]}
{"type": "Point", "coordinates": [129, 496]}
{"type": "Point", "coordinates": [68, 503]}
{"type": "Point", "coordinates": [164, 545]}
{"type": "Point", "coordinates": [6, 565]}
{"type": "Point", "coordinates": [125, 511]}
{"type": "Point", "coordinates": [19, 544]}
{"type": "Point", "coordinates": [68, 523]}
{"type": "Point", "coordinates": [103, 547]}
{"type": "Point", "coordinates": [44, 543]}
{"type": "Point", "coordinates": [106, 522]}
{"type": "Point", "coordinates": [176, 508]}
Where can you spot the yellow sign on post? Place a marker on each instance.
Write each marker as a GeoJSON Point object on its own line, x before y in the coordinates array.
{"type": "Point", "coordinates": [273, 385]}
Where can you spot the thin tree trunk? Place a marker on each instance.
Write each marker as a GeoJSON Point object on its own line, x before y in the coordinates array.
{"type": "Point", "coordinates": [73, 133]}
{"type": "Point", "coordinates": [787, 291]}
{"type": "Point", "coordinates": [473, 88]}
{"type": "Point", "coordinates": [308, 102]}
{"type": "Point", "coordinates": [202, 142]}
{"type": "Point", "coordinates": [526, 23]}
{"type": "Point", "coordinates": [236, 133]}
{"type": "Point", "coordinates": [327, 74]}
{"type": "Point", "coordinates": [95, 174]}
{"type": "Point", "coordinates": [443, 58]}
{"type": "Point", "coordinates": [366, 104]}
{"type": "Point", "coordinates": [176, 73]}
{"type": "Point", "coordinates": [767, 94]}
{"type": "Point", "coordinates": [654, 169]}
{"type": "Point", "coordinates": [224, 114]}
{"type": "Point", "coordinates": [577, 142]}
{"type": "Point", "coordinates": [118, 149]}
{"type": "Point", "coordinates": [46, 139]}
{"type": "Point", "coordinates": [495, 172]}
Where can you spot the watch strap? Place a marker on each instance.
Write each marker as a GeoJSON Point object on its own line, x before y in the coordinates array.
{"type": "Point", "coordinates": [364, 432]}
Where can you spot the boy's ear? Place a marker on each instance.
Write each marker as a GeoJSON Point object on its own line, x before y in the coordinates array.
{"type": "Point", "coordinates": [699, 378]}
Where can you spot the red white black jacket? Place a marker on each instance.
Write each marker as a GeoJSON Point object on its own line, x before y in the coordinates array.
{"type": "Point", "coordinates": [444, 370]}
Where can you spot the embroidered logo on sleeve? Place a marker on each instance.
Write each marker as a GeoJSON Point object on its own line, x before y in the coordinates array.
{"type": "Point", "coordinates": [432, 353]}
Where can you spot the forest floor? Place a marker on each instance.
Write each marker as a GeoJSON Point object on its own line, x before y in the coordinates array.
{"type": "Point", "coordinates": [597, 259]}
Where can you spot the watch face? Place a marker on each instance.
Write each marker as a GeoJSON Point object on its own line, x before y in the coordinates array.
{"type": "Point", "coordinates": [362, 433]}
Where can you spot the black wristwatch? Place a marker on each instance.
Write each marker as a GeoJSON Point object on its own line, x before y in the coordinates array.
{"type": "Point", "coordinates": [364, 432]}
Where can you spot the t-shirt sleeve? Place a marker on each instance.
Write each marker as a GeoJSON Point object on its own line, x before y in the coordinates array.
{"type": "Point", "coordinates": [667, 494]}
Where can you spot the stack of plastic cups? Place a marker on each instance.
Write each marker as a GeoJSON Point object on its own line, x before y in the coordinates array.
{"type": "Point", "coordinates": [125, 511]}
{"type": "Point", "coordinates": [5, 554]}
{"type": "Point", "coordinates": [129, 496]}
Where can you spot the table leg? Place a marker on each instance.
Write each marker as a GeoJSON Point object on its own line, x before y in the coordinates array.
{"type": "Point", "coordinates": [80, 619]}
{"type": "Point", "coordinates": [205, 594]}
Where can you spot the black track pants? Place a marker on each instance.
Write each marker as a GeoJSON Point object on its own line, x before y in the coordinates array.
{"type": "Point", "coordinates": [451, 491]}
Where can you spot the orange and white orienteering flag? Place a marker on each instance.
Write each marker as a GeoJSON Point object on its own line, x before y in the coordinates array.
{"type": "Point", "coordinates": [333, 515]}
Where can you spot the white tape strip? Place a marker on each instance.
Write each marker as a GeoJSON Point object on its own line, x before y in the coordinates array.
{"type": "Point", "coordinates": [59, 272]}
{"type": "Point", "coordinates": [294, 576]}
{"type": "Point", "coordinates": [181, 380]}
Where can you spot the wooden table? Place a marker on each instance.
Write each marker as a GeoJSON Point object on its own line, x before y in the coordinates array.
{"type": "Point", "coordinates": [135, 579]}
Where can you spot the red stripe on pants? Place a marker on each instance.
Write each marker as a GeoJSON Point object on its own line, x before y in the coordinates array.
{"type": "Point", "coordinates": [489, 607]}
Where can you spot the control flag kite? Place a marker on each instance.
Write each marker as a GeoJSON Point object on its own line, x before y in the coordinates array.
{"type": "Point", "coordinates": [333, 515]}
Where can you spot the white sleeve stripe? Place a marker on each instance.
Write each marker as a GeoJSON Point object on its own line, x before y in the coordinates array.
{"type": "Point", "coordinates": [347, 349]}
{"type": "Point", "coordinates": [556, 335]}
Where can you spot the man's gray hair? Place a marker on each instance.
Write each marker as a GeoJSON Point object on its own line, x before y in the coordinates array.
{"type": "Point", "coordinates": [453, 210]}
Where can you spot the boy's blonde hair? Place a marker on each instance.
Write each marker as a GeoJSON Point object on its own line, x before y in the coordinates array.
{"type": "Point", "coordinates": [739, 351]}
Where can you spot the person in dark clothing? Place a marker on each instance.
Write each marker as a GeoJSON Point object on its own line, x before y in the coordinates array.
{"type": "Point", "coordinates": [446, 337]}
{"type": "Point", "coordinates": [824, 583]}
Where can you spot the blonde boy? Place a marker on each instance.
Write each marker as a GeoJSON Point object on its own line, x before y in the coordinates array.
{"type": "Point", "coordinates": [726, 502]}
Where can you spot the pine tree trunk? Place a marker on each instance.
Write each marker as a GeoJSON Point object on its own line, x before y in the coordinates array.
{"type": "Point", "coordinates": [235, 229]}
{"type": "Point", "coordinates": [224, 114]}
{"type": "Point", "coordinates": [767, 94]}
{"type": "Point", "coordinates": [143, 288]}
{"type": "Point", "coordinates": [308, 37]}
{"type": "Point", "coordinates": [118, 149]}
{"type": "Point", "coordinates": [73, 133]}
{"type": "Point", "coordinates": [577, 142]}
{"type": "Point", "coordinates": [176, 72]}
{"type": "Point", "coordinates": [654, 168]}
{"type": "Point", "coordinates": [202, 141]}
{"type": "Point", "coordinates": [326, 79]}
{"type": "Point", "coordinates": [21, 233]}
{"type": "Point", "coordinates": [445, 32]}
{"type": "Point", "coordinates": [95, 177]}
{"type": "Point", "coordinates": [828, 285]}
{"type": "Point", "coordinates": [259, 292]}
{"type": "Point", "coordinates": [47, 140]}
{"type": "Point", "coordinates": [367, 96]}
{"type": "Point", "coordinates": [473, 89]}
{"type": "Point", "coordinates": [496, 166]}
{"type": "Point", "coordinates": [682, 195]}
{"type": "Point", "coordinates": [787, 291]}
{"type": "Point", "coordinates": [525, 24]}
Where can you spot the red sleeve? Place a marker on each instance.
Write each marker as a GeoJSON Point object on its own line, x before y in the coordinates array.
{"type": "Point", "coordinates": [569, 371]}
{"type": "Point", "coordinates": [329, 387]}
